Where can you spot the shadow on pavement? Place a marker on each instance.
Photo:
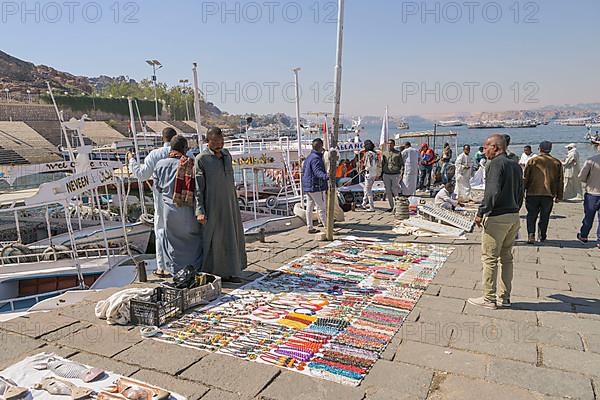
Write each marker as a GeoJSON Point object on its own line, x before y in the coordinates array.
{"type": "Point", "coordinates": [567, 304]}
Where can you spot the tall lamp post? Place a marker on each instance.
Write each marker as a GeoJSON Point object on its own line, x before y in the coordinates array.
{"type": "Point", "coordinates": [29, 96]}
{"type": "Point", "coordinates": [155, 64]}
{"type": "Point", "coordinates": [331, 196]}
{"type": "Point", "coordinates": [185, 82]}
{"type": "Point", "coordinates": [7, 91]}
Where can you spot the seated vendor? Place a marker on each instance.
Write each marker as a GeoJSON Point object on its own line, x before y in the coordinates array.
{"type": "Point", "coordinates": [445, 199]}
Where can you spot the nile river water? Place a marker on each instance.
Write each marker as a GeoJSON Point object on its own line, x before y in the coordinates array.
{"type": "Point", "coordinates": [559, 135]}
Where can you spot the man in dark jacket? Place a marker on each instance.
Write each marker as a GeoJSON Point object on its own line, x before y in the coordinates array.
{"type": "Point", "coordinates": [499, 215]}
{"type": "Point", "coordinates": [392, 168]}
{"type": "Point", "coordinates": [544, 185]}
{"type": "Point", "coordinates": [314, 184]}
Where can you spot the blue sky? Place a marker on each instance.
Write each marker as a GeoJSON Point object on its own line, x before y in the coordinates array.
{"type": "Point", "coordinates": [535, 53]}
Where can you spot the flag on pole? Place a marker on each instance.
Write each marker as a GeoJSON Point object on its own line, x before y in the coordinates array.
{"type": "Point", "coordinates": [384, 128]}
{"type": "Point", "coordinates": [325, 132]}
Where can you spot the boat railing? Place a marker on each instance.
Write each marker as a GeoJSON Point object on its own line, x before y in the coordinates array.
{"type": "Point", "coordinates": [266, 212]}
{"type": "Point", "coordinates": [55, 255]}
{"type": "Point", "coordinates": [26, 302]}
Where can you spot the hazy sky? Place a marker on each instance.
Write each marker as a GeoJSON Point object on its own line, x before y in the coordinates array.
{"type": "Point", "coordinates": [417, 57]}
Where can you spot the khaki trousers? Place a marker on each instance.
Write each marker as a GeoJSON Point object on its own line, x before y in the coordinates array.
{"type": "Point", "coordinates": [499, 234]}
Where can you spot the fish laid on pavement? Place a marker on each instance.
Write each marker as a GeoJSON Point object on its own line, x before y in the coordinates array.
{"type": "Point", "coordinates": [130, 389]}
{"type": "Point", "coordinates": [58, 387]}
{"type": "Point", "coordinates": [68, 369]}
{"type": "Point", "coordinates": [10, 391]}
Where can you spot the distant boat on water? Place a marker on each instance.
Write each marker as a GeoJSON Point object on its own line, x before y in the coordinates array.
{"type": "Point", "coordinates": [451, 123]}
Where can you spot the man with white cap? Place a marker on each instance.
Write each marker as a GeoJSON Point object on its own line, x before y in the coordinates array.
{"type": "Point", "coordinates": [571, 171]}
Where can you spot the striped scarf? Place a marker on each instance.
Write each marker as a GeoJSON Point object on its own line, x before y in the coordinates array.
{"type": "Point", "coordinates": [183, 194]}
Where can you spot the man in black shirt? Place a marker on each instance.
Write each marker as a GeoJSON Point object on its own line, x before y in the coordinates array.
{"type": "Point", "coordinates": [499, 216]}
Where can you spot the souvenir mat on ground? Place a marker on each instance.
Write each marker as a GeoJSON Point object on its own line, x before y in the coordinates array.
{"type": "Point", "coordinates": [47, 376]}
{"type": "Point", "coordinates": [327, 314]}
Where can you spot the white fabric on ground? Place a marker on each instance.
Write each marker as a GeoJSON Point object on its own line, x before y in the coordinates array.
{"type": "Point", "coordinates": [115, 309]}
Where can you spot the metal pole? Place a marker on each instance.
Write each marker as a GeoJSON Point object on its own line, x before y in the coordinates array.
{"type": "Point", "coordinates": [298, 135]}
{"type": "Point", "coordinates": [197, 104]}
{"type": "Point", "coordinates": [155, 95]}
{"type": "Point", "coordinates": [137, 155]}
{"type": "Point", "coordinates": [331, 197]}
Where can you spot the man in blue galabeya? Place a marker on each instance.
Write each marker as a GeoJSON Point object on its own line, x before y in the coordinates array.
{"type": "Point", "coordinates": [143, 172]}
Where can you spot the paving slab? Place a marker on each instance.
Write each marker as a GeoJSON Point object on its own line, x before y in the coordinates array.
{"type": "Point", "coordinates": [217, 394]}
{"type": "Point", "coordinates": [231, 374]}
{"type": "Point", "coordinates": [83, 311]}
{"type": "Point", "coordinates": [293, 386]}
{"type": "Point", "coordinates": [521, 316]}
{"type": "Point", "coordinates": [397, 381]}
{"type": "Point", "coordinates": [147, 354]}
{"type": "Point", "coordinates": [442, 359]}
{"type": "Point", "coordinates": [14, 346]}
{"type": "Point", "coordinates": [65, 331]}
{"type": "Point", "coordinates": [544, 380]}
{"type": "Point", "coordinates": [553, 337]}
{"type": "Point", "coordinates": [569, 322]}
{"type": "Point", "coordinates": [459, 293]}
{"type": "Point", "coordinates": [107, 364]}
{"type": "Point", "coordinates": [37, 325]}
{"type": "Point", "coordinates": [442, 303]}
{"type": "Point", "coordinates": [592, 342]}
{"type": "Point", "coordinates": [486, 335]}
{"type": "Point", "coordinates": [191, 390]}
{"type": "Point", "coordinates": [103, 340]}
{"type": "Point", "coordinates": [586, 363]}
{"type": "Point", "coordinates": [454, 387]}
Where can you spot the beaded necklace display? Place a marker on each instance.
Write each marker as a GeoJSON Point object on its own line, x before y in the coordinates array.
{"type": "Point", "coordinates": [327, 314]}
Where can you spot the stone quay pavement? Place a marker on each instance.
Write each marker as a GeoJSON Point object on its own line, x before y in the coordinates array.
{"type": "Point", "coordinates": [546, 347]}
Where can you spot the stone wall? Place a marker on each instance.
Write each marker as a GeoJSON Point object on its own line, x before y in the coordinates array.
{"type": "Point", "coordinates": [43, 112]}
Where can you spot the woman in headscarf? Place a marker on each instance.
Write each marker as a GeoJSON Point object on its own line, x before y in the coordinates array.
{"type": "Point", "coordinates": [174, 178]}
{"type": "Point", "coordinates": [571, 171]}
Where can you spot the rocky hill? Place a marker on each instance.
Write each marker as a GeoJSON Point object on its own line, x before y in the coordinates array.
{"type": "Point", "coordinates": [18, 76]}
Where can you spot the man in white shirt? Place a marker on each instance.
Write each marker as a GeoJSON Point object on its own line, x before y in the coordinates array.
{"type": "Point", "coordinates": [410, 156]}
{"type": "Point", "coordinates": [590, 175]}
{"type": "Point", "coordinates": [526, 156]}
{"type": "Point", "coordinates": [143, 172]}
{"type": "Point", "coordinates": [444, 197]}
{"type": "Point", "coordinates": [464, 167]}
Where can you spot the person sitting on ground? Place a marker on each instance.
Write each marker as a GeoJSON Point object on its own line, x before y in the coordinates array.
{"type": "Point", "coordinates": [445, 199]}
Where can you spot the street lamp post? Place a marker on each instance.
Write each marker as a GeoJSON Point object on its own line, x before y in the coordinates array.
{"type": "Point", "coordinates": [29, 96]}
{"type": "Point", "coordinates": [155, 64]}
{"type": "Point", "coordinates": [184, 82]}
{"type": "Point", "coordinates": [7, 91]}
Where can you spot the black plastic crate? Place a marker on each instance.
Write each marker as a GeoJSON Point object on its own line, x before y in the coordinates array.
{"type": "Point", "coordinates": [201, 295]}
{"type": "Point", "coordinates": [164, 304]}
